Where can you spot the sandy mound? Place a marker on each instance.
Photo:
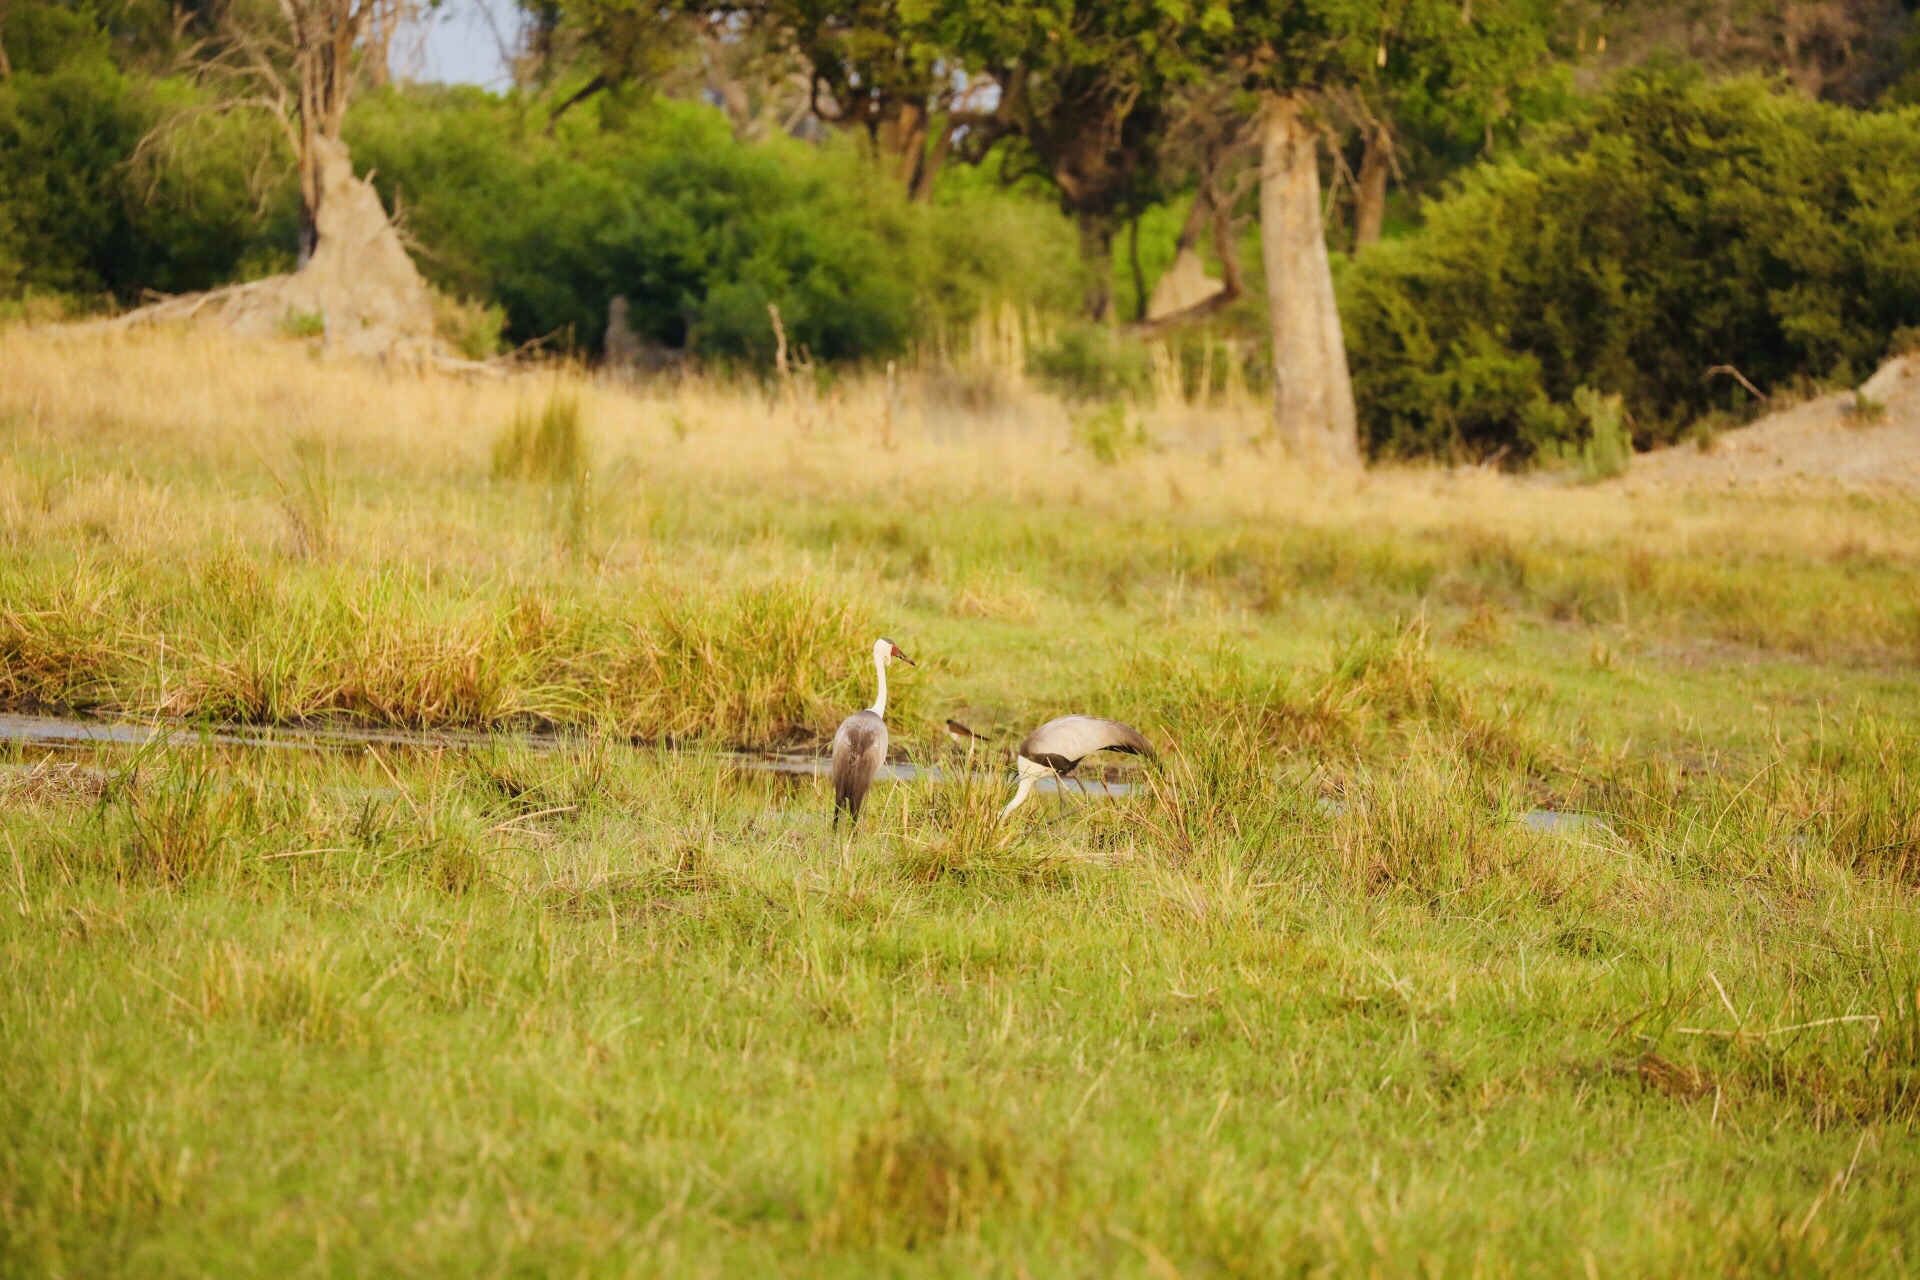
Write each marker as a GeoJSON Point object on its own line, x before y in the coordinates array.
{"type": "Point", "coordinates": [1185, 285]}
{"type": "Point", "coordinates": [360, 288]}
{"type": "Point", "coordinates": [1822, 440]}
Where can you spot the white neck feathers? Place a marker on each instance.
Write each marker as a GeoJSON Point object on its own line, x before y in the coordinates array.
{"type": "Point", "coordinates": [1020, 795]}
{"type": "Point", "coordinates": [879, 707]}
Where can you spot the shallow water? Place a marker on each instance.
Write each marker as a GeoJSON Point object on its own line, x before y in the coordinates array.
{"type": "Point", "coordinates": [57, 731]}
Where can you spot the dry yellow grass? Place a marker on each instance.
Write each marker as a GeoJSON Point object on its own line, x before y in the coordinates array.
{"type": "Point", "coordinates": [960, 490]}
{"type": "Point", "coordinates": [222, 404]}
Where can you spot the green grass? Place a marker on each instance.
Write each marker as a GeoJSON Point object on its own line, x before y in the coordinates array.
{"type": "Point", "coordinates": [1313, 998]}
{"type": "Point", "coordinates": [612, 1011]}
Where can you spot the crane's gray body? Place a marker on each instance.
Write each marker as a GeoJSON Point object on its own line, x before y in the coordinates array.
{"type": "Point", "coordinates": [1060, 745]}
{"type": "Point", "coordinates": [1057, 747]}
{"type": "Point", "coordinates": [859, 749]}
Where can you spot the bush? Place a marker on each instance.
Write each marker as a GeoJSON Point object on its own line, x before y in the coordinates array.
{"type": "Point", "coordinates": [1683, 225]}
{"type": "Point", "coordinates": [111, 184]}
{"type": "Point", "coordinates": [1090, 362]}
{"type": "Point", "coordinates": [81, 214]}
{"type": "Point", "coordinates": [659, 203]}
{"type": "Point", "coordinates": [1606, 449]}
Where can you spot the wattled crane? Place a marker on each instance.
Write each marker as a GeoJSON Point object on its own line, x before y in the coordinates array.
{"type": "Point", "coordinates": [860, 744]}
{"type": "Point", "coordinates": [1057, 747]}
{"type": "Point", "coordinates": [964, 737]}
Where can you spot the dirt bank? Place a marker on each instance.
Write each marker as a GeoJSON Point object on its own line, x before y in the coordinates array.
{"type": "Point", "coordinates": [1824, 440]}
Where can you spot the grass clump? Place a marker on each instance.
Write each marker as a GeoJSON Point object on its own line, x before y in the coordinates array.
{"type": "Point", "coordinates": [919, 1175]}
{"type": "Point", "coordinates": [1109, 436]}
{"type": "Point", "coordinates": [755, 664]}
{"type": "Point", "coordinates": [550, 448]}
{"type": "Point", "coordinates": [176, 826]}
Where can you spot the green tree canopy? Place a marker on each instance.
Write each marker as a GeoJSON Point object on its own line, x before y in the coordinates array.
{"type": "Point", "coordinates": [1683, 225]}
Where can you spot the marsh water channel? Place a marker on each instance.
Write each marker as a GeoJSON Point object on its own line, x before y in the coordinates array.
{"type": "Point", "coordinates": [58, 732]}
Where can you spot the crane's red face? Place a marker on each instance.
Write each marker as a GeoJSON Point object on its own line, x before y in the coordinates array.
{"type": "Point", "coordinates": [895, 653]}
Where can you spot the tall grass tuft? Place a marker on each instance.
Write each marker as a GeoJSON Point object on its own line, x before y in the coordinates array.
{"type": "Point", "coordinates": [1608, 448]}
{"type": "Point", "coordinates": [1869, 808]}
{"type": "Point", "coordinates": [307, 498]}
{"type": "Point", "coordinates": [918, 1175]}
{"type": "Point", "coordinates": [553, 451]}
{"type": "Point", "coordinates": [224, 640]}
{"type": "Point", "coordinates": [959, 834]}
{"type": "Point", "coordinates": [176, 825]}
{"type": "Point", "coordinates": [551, 448]}
{"type": "Point", "coordinates": [1215, 787]}
{"type": "Point", "coordinates": [1430, 826]}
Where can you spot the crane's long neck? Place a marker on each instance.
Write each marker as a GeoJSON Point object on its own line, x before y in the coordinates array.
{"type": "Point", "coordinates": [880, 670]}
{"type": "Point", "coordinates": [1020, 795]}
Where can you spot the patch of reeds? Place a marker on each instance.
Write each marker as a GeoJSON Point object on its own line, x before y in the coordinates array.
{"type": "Point", "coordinates": [228, 640]}
{"type": "Point", "coordinates": [299, 995]}
{"type": "Point", "coordinates": [1431, 826]}
{"type": "Point", "coordinates": [952, 830]}
{"type": "Point", "coordinates": [1373, 686]}
{"type": "Point", "coordinates": [922, 1173]}
{"type": "Point", "coordinates": [181, 824]}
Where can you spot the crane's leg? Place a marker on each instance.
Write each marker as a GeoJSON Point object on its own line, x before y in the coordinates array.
{"type": "Point", "coordinates": [1079, 788]}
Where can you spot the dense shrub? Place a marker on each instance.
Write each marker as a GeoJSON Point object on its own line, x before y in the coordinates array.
{"type": "Point", "coordinates": [1088, 362]}
{"type": "Point", "coordinates": [78, 215]}
{"type": "Point", "coordinates": [1681, 226]}
{"type": "Point", "coordinates": [658, 202]}
{"type": "Point", "coordinates": [113, 182]}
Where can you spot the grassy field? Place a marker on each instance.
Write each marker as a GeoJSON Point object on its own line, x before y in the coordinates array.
{"type": "Point", "coordinates": [1322, 994]}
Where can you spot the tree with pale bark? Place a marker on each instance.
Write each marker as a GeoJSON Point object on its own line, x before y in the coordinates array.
{"type": "Point", "coordinates": [299, 61]}
{"type": "Point", "coordinates": [1298, 61]}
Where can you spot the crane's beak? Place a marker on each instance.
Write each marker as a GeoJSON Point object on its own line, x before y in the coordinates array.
{"type": "Point", "coordinates": [903, 657]}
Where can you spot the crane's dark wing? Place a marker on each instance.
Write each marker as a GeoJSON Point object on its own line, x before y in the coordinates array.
{"type": "Point", "coordinates": [859, 749]}
{"type": "Point", "coordinates": [1061, 744]}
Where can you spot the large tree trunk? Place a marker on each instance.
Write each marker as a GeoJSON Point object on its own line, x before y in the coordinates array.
{"type": "Point", "coordinates": [311, 192]}
{"type": "Point", "coordinates": [903, 138]}
{"type": "Point", "coordinates": [1370, 193]}
{"type": "Point", "coordinates": [1313, 393]}
{"type": "Point", "coordinates": [1096, 250]}
{"type": "Point", "coordinates": [324, 33]}
{"type": "Point", "coordinates": [921, 188]}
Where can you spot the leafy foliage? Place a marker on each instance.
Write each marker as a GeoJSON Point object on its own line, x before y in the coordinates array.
{"type": "Point", "coordinates": [80, 213]}
{"type": "Point", "coordinates": [657, 201]}
{"type": "Point", "coordinates": [1683, 225]}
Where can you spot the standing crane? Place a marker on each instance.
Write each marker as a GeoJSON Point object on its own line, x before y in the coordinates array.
{"type": "Point", "coordinates": [860, 744]}
{"type": "Point", "coordinates": [1056, 748]}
